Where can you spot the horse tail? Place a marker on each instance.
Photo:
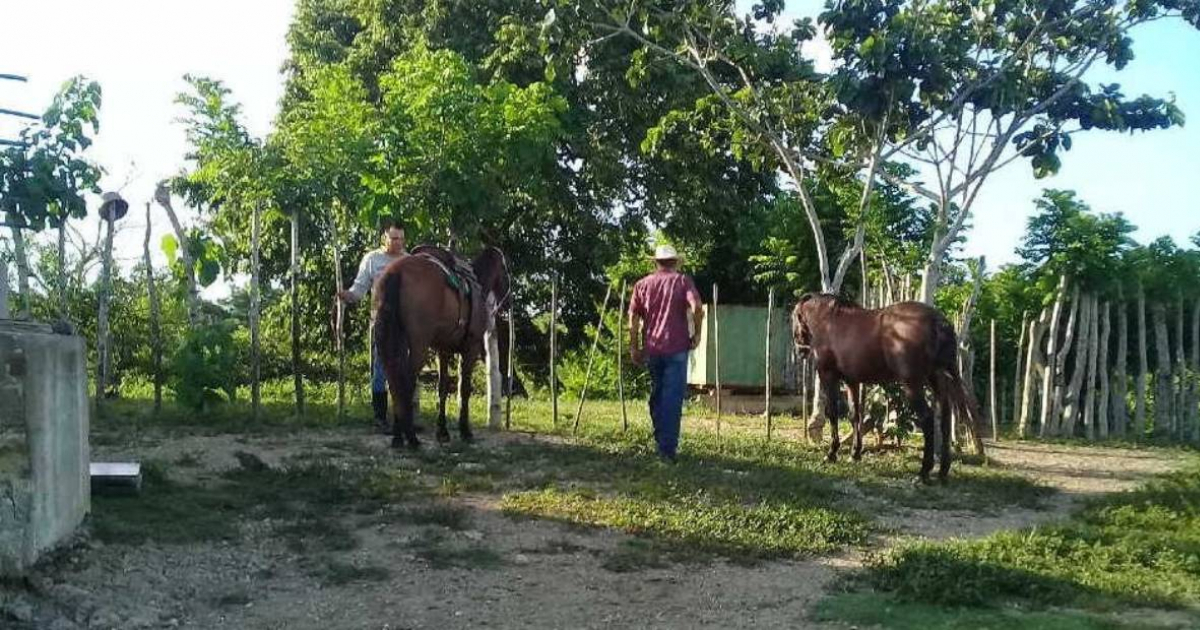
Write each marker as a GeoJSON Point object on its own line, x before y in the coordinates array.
{"type": "Point", "coordinates": [391, 339]}
{"type": "Point", "coordinates": [949, 381]}
{"type": "Point", "coordinates": [958, 395]}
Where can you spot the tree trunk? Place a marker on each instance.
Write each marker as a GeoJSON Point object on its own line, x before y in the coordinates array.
{"type": "Point", "coordinates": [64, 305]}
{"type": "Point", "coordinates": [102, 340]}
{"type": "Point", "coordinates": [1071, 400]}
{"type": "Point", "coordinates": [1194, 405]}
{"type": "Point", "coordinates": [192, 298]}
{"type": "Point", "coordinates": [1016, 401]}
{"type": "Point", "coordinates": [1035, 366]}
{"type": "Point", "coordinates": [339, 309]}
{"type": "Point", "coordinates": [1102, 415]}
{"type": "Point", "coordinates": [156, 344]}
{"type": "Point", "coordinates": [255, 310]}
{"type": "Point", "coordinates": [1178, 418]}
{"type": "Point", "coordinates": [993, 412]}
{"type": "Point", "coordinates": [22, 261]}
{"type": "Point", "coordinates": [1120, 385]}
{"type": "Point", "coordinates": [3, 289]}
{"type": "Point", "coordinates": [297, 368]}
{"type": "Point", "coordinates": [1091, 379]}
{"type": "Point", "coordinates": [1050, 376]}
{"type": "Point", "coordinates": [1139, 406]}
{"type": "Point", "coordinates": [1162, 375]}
{"type": "Point", "coordinates": [967, 360]}
{"type": "Point", "coordinates": [492, 363]}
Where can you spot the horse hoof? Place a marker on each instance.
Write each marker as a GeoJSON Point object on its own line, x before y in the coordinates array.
{"type": "Point", "coordinates": [856, 457]}
{"type": "Point", "coordinates": [467, 437]}
{"type": "Point", "coordinates": [921, 480]}
{"type": "Point", "coordinates": [831, 459]}
{"type": "Point", "coordinates": [942, 479]}
{"type": "Point", "coordinates": [397, 441]}
{"type": "Point", "coordinates": [443, 436]}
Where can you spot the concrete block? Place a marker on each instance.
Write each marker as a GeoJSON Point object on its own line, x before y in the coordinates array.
{"type": "Point", "coordinates": [44, 477]}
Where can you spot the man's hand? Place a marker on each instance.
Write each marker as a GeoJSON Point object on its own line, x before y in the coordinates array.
{"type": "Point", "coordinates": [695, 341]}
{"type": "Point", "coordinates": [345, 296]}
{"type": "Point", "coordinates": [635, 355]}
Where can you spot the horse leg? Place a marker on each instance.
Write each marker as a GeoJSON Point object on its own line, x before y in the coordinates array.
{"type": "Point", "coordinates": [466, 365]}
{"type": "Point", "coordinates": [832, 414]}
{"type": "Point", "coordinates": [856, 401]}
{"type": "Point", "coordinates": [916, 399]}
{"type": "Point", "coordinates": [443, 435]}
{"type": "Point", "coordinates": [944, 463]}
{"type": "Point", "coordinates": [402, 377]}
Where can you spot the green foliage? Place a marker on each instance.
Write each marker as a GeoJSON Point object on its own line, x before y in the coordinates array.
{"type": "Point", "coordinates": [204, 366]}
{"type": "Point", "coordinates": [883, 611]}
{"type": "Point", "coordinates": [603, 384]}
{"type": "Point", "coordinates": [44, 177]}
{"type": "Point", "coordinates": [1138, 548]}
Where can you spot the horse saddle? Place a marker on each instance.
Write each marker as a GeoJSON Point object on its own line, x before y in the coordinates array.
{"type": "Point", "coordinates": [460, 276]}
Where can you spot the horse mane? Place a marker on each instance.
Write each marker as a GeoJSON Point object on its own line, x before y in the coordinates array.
{"type": "Point", "coordinates": [491, 270]}
{"type": "Point", "coordinates": [838, 300]}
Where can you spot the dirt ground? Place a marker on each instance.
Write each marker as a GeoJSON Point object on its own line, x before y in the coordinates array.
{"type": "Point", "coordinates": [547, 575]}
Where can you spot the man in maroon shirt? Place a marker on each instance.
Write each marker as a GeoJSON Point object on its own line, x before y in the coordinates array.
{"type": "Point", "coordinates": [658, 314]}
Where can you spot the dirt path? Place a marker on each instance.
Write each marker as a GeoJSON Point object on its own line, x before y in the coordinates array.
{"type": "Point", "coordinates": [537, 574]}
{"type": "Point", "coordinates": [1075, 472]}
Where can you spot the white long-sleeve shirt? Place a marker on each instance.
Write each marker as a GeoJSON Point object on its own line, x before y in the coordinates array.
{"type": "Point", "coordinates": [373, 264]}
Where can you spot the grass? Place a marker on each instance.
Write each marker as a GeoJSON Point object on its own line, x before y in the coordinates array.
{"type": "Point", "coordinates": [883, 611]}
{"type": "Point", "coordinates": [1140, 548]}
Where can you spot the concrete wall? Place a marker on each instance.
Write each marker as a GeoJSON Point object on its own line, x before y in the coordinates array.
{"type": "Point", "coordinates": [44, 482]}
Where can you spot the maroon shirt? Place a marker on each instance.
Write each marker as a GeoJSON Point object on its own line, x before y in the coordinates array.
{"type": "Point", "coordinates": [661, 299]}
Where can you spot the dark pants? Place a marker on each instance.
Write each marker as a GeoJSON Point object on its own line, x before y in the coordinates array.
{"type": "Point", "coordinates": [668, 383]}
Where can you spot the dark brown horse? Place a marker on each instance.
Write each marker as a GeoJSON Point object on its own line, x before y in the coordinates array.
{"type": "Point", "coordinates": [417, 309]}
{"type": "Point", "coordinates": [909, 343]}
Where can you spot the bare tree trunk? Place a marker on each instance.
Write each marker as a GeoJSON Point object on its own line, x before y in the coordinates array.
{"type": "Point", "coordinates": [340, 308]}
{"type": "Point", "coordinates": [192, 298]}
{"type": "Point", "coordinates": [22, 261]}
{"type": "Point", "coordinates": [64, 305]}
{"type": "Point", "coordinates": [3, 289]}
{"type": "Point", "coordinates": [1035, 366]}
{"type": "Point", "coordinates": [297, 367]}
{"type": "Point", "coordinates": [1050, 377]}
{"type": "Point", "coordinates": [1162, 376]}
{"type": "Point", "coordinates": [967, 359]}
{"type": "Point", "coordinates": [1120, 385]}
{"type": "Point", "coordinates": [1194, 404]}
{"type": "Point", "coordinates": [1139, 407]}
{"type": "Point", "coordinates": [155, 315]}
{"type": "Point", "coordinates": [1071, 400]}
{"type": "Point", "coordinates": [255, 310]}
{"type": "Point", "coordinates": [102, 340]}
{"type": "Point", "coordinates": [1092, 380]}
{"type": "Point", "coordinates": [1178, 418]}
{"type": "Point", "coordinates": [1016, 400]}
{"type": "Point", "coordinates": [993, 412]}
{"type": "Point", "coordinates": [1102, 415]}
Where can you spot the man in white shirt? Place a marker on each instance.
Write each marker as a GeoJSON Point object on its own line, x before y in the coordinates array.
{"type": "Point", "coordinates": [372, 265]}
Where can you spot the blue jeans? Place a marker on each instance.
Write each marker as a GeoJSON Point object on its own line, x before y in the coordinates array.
{"type": "Point", "coordinates": [378, 378]}
{"type": "Point", "coordinates": [668, 383]}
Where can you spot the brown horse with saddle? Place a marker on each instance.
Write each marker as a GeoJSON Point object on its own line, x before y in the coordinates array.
{"type": "Point", "coordinates": [909, 343]}
{"type": "Point", "coordinates": [432, 299]}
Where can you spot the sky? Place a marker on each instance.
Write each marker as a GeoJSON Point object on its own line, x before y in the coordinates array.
{"type": "Point", "coordinates": [139, 50]}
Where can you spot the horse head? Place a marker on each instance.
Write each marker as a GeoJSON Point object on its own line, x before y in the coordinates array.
{"type": "Point", "coordinates": [491, 269]}
{"type": "Point", "coordinates": [801, 333]}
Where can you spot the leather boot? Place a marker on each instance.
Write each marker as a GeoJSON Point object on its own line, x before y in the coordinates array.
{"type": "Point", "coordinates": [379, 403]}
